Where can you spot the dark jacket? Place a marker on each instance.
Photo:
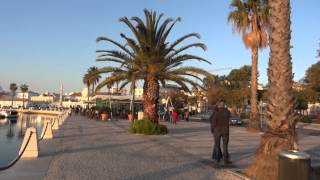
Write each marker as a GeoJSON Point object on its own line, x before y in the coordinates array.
{"type": "Point", "coordinates": [220, 120]}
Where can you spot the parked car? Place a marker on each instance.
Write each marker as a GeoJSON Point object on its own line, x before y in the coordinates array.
{"type": "Point", "coordinates": [235, 120]}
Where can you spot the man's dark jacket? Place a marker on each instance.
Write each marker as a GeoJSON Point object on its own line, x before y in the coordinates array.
{"type": "Point", "coordinates": [220, 121]}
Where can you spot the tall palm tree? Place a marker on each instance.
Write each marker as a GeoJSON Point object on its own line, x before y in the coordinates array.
{"type": "Point", "coordinates": [156, 60]}
{"type": "Point", "coordinates": [13, 89]}
{"type": "Point", "coordinates": [280, 132]}
{"type": "Point", "coordinates": [87, 81]}
{"type": "Point", "coordinates": [250, 19]}
{"type": "Point", "coordinates": [24, 89]}
{"type": "Point", "coordinates": [94, 76]}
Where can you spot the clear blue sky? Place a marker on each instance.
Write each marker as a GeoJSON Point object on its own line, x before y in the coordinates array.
{"type": "Point", "coordinates": [44, 42]}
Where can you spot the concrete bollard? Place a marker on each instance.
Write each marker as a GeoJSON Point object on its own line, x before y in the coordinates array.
{"type": "Point", "coordinates": [47, 131]}
{"type": "Point", "coordinates": [29, 147]}
{"type": "Point", "coordinates": [55, 124]}
{"type": "Point", "coordinates": [140, 115]}
{"type": "Point", "coordinates": [60, 120]}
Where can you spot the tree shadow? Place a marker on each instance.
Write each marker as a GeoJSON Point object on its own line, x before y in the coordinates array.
{"type": "Point", "coordinates": [94, 148]}
{"type": "Point", "coordinates": [174, 171]}
{"type": "Point", "coordinates": [189, 130]}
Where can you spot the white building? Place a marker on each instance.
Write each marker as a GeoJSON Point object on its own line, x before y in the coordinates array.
{"type": "Point", "coordinates": [17, 102]}
{"type": "Point", "coordinates": [26, 95]}
{"type": "Point", "coordinates": [138, 92]}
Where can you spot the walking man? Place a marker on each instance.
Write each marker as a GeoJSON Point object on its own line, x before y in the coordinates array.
{"type": "Point", "coordinates": [220, 129]}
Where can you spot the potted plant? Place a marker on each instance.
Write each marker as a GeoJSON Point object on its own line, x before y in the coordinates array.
{"type": "Point", "coordinates": [105, 114]}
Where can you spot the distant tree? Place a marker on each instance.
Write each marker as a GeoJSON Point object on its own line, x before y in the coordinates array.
{"type": "Point", "coordinates": [24, 89]}
{"type": "Point", "coordinates": [262, 95]}
{"type": "Point", "coordinates": [301, 100]}
{"type": "Point", "coordinates": [240, 77]}
{"type": "Point", "coordinates": [13, 89]}
{"type": "Point", "coordinates": [87, 81]}
{"type": "Point", "coordinates": [178, 98]}
{"type": "Point", "coordinates": [250, 19]}
{"type": "Point", "coordinates": [215, 81]}
{"type": "Point", "coordinates": [237, 98]}
{"type": "Point", "coordinates": [311, 95]}
{"type": "Point", "coordinates": [94, 77]}
{"type": "Point", "coordinates": [312, 79]}
{"type": "Point", "coordinates": [217, 94]}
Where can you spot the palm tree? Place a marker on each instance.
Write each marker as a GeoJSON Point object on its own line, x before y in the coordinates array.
{"type": "Point", "coordinates": [125, 75]}
{"type": "Point", "coordinates": [87, 81]}
{"type": "Point", "coordinates": [24, 89]}
{"type": "Point", "coordinates": [250, 19]}
{"type": "Point", "coordinates": [13, 89]}
{"type": "Point", "coordinates": [280, 132]}
{"type": "Point", "coordinates": [94, 76]}
{"type": "Point", "coordinates": [153, 58]}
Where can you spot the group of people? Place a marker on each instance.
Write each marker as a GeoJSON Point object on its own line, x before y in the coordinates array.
{"type": "Point", "coordinates": [175, 116]}
{"type": "Point", "coordinates": [90, 113]}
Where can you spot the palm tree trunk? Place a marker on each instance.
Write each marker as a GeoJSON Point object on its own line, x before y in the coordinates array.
{"type": "Point", "coordinates": [88, 96]}
{"type": "Point", "coordinates": [150, 99]}
{"type": "Point", "coordinates": [254, 121]}
{"type": "Point", "coordinates": [110, 105]}
{"type": "Point", "coordinates": [132, 102]}
{"type": "Point", "coordinates": [12, 101]}
{"type": "Point", "coordinates": [92, 89]}
{"type": "Point", "coordinates": [117, 83]}
{"type": "Point", "coordinates": [23, 101]}
{"type": "Point", "coordinates": [280, 132]}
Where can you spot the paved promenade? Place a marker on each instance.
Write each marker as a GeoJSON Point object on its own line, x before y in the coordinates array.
{"type": "Point", "coordinates": [87, 149]}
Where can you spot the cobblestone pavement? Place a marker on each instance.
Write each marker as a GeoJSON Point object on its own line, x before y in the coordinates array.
{"type": "Point", "coordinates": [89, 149]}
{"type": "Point", "coordinates": [105, 150]}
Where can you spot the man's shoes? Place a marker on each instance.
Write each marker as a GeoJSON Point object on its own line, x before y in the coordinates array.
{"type": "Point", "coordinates": [215, 161]}
{"type": "Point", "coordinates": [227, 162]}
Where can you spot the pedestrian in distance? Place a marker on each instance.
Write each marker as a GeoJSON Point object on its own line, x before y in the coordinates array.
{"type": "Point", "coordinates": [174, 116]}
{"type": "Point", "coordinates": [186, 115]}
{"type": "Point", "coordinates": [220, 130]}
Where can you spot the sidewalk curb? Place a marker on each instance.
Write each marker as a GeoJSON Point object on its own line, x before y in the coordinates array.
{"type": "Point", "coordinates": [308, 126]}
{"type": "Point", "coordinates": [235, 173]}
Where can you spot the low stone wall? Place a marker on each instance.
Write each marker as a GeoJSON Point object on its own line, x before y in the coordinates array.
{"type": "Point", "coordinates": [43, 112]}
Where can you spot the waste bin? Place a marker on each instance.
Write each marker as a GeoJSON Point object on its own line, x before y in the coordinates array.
{"type": "Point", "coordinates": [294, 165]}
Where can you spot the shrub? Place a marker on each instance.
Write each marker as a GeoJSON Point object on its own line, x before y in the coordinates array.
{"type": "Point", "coordinates": [144, 126]}
{"type": "Point", "coordinates": [316, 121]}
{"type": "Point", "coordinates": [306, 119]}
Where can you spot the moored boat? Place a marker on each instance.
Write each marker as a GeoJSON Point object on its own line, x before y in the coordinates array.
{"type": "Point", "coordinates": [10, 114]}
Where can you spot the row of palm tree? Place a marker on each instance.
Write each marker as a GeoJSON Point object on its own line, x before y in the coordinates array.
{"type": "Point", "coordinates": [149, 57]}
{"type": "Point", "coordinates": [13, 88]}
{"type": "Point", "coordinates": [90, 79]}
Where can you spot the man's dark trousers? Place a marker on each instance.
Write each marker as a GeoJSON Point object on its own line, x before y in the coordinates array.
{"type": "Point", "coordinates": [219, 134]}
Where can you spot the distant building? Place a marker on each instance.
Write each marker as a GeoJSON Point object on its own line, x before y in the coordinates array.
{"type": "Point", "coordinates": [17, 102]}
{"type": "Point", "coordinates": [26, 95]}
{"type": "Point", "coordinates": [138, 92]}
{"type": "Point", "coordinates": [261, 87]}
{"type": "Point", "coordinates": [45, 98]}
{"type": "Point", "coordinates": [297, 86]}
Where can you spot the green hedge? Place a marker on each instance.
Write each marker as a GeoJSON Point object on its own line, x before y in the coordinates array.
{"type": "Point", "coordinates": [144, 126]}
{"type": "Point", "coordinates": [306, 119]}
{"type": "Point", "coordinates": [316, 121]}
